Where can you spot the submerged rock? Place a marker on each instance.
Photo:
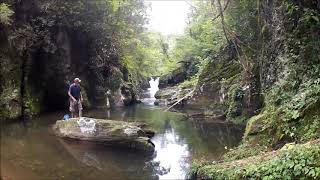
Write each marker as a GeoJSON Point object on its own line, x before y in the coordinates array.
{"type": "Point", "coordinates": [107, 132]}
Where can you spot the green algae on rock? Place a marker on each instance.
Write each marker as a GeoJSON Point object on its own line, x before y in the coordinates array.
{"type": "Point", "coordinates": [106, 132]}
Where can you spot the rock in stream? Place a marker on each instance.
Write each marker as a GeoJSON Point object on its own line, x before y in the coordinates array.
{"type": "Point", "coordinates": [106, 132]}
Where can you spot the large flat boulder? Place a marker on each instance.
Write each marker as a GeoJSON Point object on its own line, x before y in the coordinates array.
{"type": "Point", "coordinates": [107, 132]}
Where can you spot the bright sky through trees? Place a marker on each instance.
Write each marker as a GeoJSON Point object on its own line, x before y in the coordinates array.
{"type": "Point", "coordinates": [167, 16]}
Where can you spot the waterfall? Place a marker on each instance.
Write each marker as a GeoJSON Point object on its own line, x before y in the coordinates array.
{"type": "Point", "coordinates": [154, 83]}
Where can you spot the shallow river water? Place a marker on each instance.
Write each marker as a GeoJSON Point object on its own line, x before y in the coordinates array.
{"type": "Point", "coordinates": [30, 150]}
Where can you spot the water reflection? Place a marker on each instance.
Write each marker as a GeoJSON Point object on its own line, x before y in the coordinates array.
{"type": "Point", "coordinates": [177, 141]}
{"type": "Point", "coordinates": [128, 164]}
{"type": "Point", "coordinates": [172, 154]}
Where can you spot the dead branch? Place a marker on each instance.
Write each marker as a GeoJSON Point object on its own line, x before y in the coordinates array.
{"type": "Point", "coordinates": [180, 100]}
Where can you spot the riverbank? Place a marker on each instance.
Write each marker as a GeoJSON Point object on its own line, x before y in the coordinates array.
{"type": "Point", "coordinates": [292, 161]}
{"type": "Point", "coordinates": [267, 150]}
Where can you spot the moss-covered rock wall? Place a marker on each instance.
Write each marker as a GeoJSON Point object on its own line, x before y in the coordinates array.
{"type": "Point", "coordinates": [289, 75]}
{"type": "Point", "coordinates": [223, 90]}
{"type": "Point", "coordinates": [46, 45]}
{"type": "Point", "coordinates": [289, 78]}
{"type": "Point", "coordinates": [9, 79]}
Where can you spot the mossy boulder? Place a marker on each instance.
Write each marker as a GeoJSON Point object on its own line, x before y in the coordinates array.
{"type": "Point", "coordinates": [106, 132]}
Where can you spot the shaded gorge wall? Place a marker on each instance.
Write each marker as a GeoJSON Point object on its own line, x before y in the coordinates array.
{"type": "Point", "coordinates": [47, 45]}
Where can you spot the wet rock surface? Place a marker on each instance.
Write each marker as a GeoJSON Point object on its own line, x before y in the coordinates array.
{"type": "Point", "coordinates": [170, 95]}
{"type": "Point", "coordinates": [106, 132]}
{"type": "Point", "coordinates": [187, 69]}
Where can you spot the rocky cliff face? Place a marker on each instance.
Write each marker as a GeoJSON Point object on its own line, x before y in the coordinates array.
{"type": "Point", "coordinates": [185, 71]}
{"type": "Point", "coordinates": [10, 79]}
{"type": "Point", "coordinates": [283, 64]}
{"type": "Point", "coordinates": [220, 75]}
{"type": "Point", "coordinates": [224, 89]}
{"type": "Point", "coordinates": [282, 87]}
{"type": "Point", "coordinates": [40, 56]}
{"type": "Point", "coordinates": [287, 73]}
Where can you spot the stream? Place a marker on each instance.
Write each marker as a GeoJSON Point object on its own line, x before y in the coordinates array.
{"type": "Point", "coordinates": [30, 150]}
{"type": "Point", "coordinates": [32, 146]}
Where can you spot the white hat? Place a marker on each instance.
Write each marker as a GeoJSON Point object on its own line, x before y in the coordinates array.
{"type": "Point", "coordinates": [77, 79]}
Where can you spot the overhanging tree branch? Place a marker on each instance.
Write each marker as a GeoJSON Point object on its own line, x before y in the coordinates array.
{"type": "Point", "coordinates": [224, 9]}
{"type": "Point", "coordinates": [221, 11]}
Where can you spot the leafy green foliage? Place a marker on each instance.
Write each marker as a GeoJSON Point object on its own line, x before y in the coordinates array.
{"type": "Point", "coordinates": [302, 35]}
{"type": "Point", "coordinates": [198, 45]}
{"type": "Point", "coordinates": [300, 162]}
{"type": "Point", "coordinates": [46, 35]}
{"type": "Point", "coordinates": [189, 83]}
{"type": "Point", "coordinates": [291, 162]}
{"type": "Point", "coordinates": [144, 55]}
{"type": "Point", "coordinates": [244, 151]}
{"type": "Point", "coordinates": [5, 14]}
{"type": "Point", "coordinates": [108, 26]}
{"type": "Point", "coordinates": [207, 34]}
{"type": "Point", "coordinates": [287, 116]}
{"type": "Point", "coordinates": [184, 50]}
{"type": "Point", "coordinates": [291, 104]}
{"type": "Point", "coordinates": [235, 95]}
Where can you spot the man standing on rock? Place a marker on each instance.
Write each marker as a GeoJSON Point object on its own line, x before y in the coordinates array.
{"type": "Point", "coordinates": [75, 98]}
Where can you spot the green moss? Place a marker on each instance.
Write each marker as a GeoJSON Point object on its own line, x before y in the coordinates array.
{"type": "Point", "coordinates": [225, 70]}
{"type": "Point", "coordinates": [254, 125]}
{"type": "Point", "coordinates": [287, 116]}
{"type": "Point", "coordinates": [32, 104]}
{"type": "Point", "coordinates": [116, 130]}
{"type": "Point", "coordinates": [234, 104]}
{"type": "Point", "coordinates": [191, 83]}
{"type": "Point", "coordinates": [244, 151]}
{"type": "Point", "coordinates": [291, 162]}
{"type": "Point", "coordinates": [10, 102]}
{"type": "Point", "coordinates": [5, 14]}
{"type": "Point", "coordinates": [309, 125]}
{"type": "Point", "coordinates": [115, 80]}
{"type": "Point", "coordinates": [225, 78]}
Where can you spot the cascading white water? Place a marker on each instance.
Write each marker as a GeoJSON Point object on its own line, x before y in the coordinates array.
{"type": "Point", "coordinates": [154, 83]}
